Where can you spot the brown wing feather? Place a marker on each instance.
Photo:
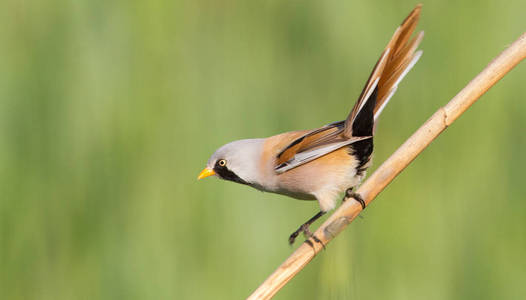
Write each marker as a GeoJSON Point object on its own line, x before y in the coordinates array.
{"type": "Point", "coordinates": [307, 141]}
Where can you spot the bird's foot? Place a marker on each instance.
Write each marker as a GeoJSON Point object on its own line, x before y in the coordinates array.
{"type": "Point", "coordinates": [350, 194]}
{"type": "Point", "coordinates": [308, 235]}
{"type": "Point", "coordinates": [305, 229]}
{"type": "Point", "coordinates": [347, 192]}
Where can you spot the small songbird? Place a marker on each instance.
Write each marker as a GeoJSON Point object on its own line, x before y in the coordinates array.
{"type": "Point", "coordinates": [321, 164]}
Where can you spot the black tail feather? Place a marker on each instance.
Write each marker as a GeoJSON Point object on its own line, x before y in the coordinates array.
{"type": "Point", "coordinates": [363, 126]}
{"type": "Point", "coordinates": [364, 122]}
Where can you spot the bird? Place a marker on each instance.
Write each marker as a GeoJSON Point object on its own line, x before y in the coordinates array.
{"type": "Point", "coordinates": [323, 163]}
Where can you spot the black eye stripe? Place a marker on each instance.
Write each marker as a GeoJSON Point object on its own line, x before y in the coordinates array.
{"type": "Point", "coordinates": [226, 174]}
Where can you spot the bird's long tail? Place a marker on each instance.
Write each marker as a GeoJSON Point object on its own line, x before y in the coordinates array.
{"type": "Point", "coordinates": [397, 59]}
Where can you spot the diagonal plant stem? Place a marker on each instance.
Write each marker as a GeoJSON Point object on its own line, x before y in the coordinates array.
{"type": "Point", "coordinates": [438, 122]}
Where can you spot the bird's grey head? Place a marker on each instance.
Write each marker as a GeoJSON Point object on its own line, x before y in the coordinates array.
{"type": "Point", "coordinates": [237, 161]}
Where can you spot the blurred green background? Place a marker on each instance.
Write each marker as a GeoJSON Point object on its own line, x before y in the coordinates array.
{"type": "Point", "coordinates": [109, 110]}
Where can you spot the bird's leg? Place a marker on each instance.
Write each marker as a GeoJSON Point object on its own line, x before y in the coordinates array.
{"type": "Point", "coordinates": [305, 229]}
{"type": "Point", "coordinates": [350, 194]}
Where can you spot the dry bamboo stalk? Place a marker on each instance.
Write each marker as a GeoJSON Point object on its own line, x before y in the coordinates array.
{"type": "Point", "coordinates": [438, 122]}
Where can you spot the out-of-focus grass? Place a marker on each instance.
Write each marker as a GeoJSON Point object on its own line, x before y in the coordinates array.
{"type": "Point", "coordinates": [108, 110]}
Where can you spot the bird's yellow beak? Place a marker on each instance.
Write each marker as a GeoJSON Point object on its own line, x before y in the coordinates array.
{"type": "Point", "coordinates": [205, 173]}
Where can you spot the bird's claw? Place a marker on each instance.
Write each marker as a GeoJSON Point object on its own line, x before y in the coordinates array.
{"type": "Point", "coordinates": [293, 236]}
{"type": "Point", "coordinates": [350, 194]}
{"type": "Point", "coordinates": [308, 234]}
{"type": "Point", "coordinates": [303, 228]}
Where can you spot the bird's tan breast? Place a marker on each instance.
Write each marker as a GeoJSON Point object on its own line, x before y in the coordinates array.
{"type": "Point", "coordinates": [331, 172]}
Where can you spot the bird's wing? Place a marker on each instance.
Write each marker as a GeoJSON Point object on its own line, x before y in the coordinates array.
{"type": "Point", "coordinates": [312, 145]}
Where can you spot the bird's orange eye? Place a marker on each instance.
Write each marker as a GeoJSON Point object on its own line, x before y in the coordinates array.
{"type": "Point", "coordinates": [221, 163]}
